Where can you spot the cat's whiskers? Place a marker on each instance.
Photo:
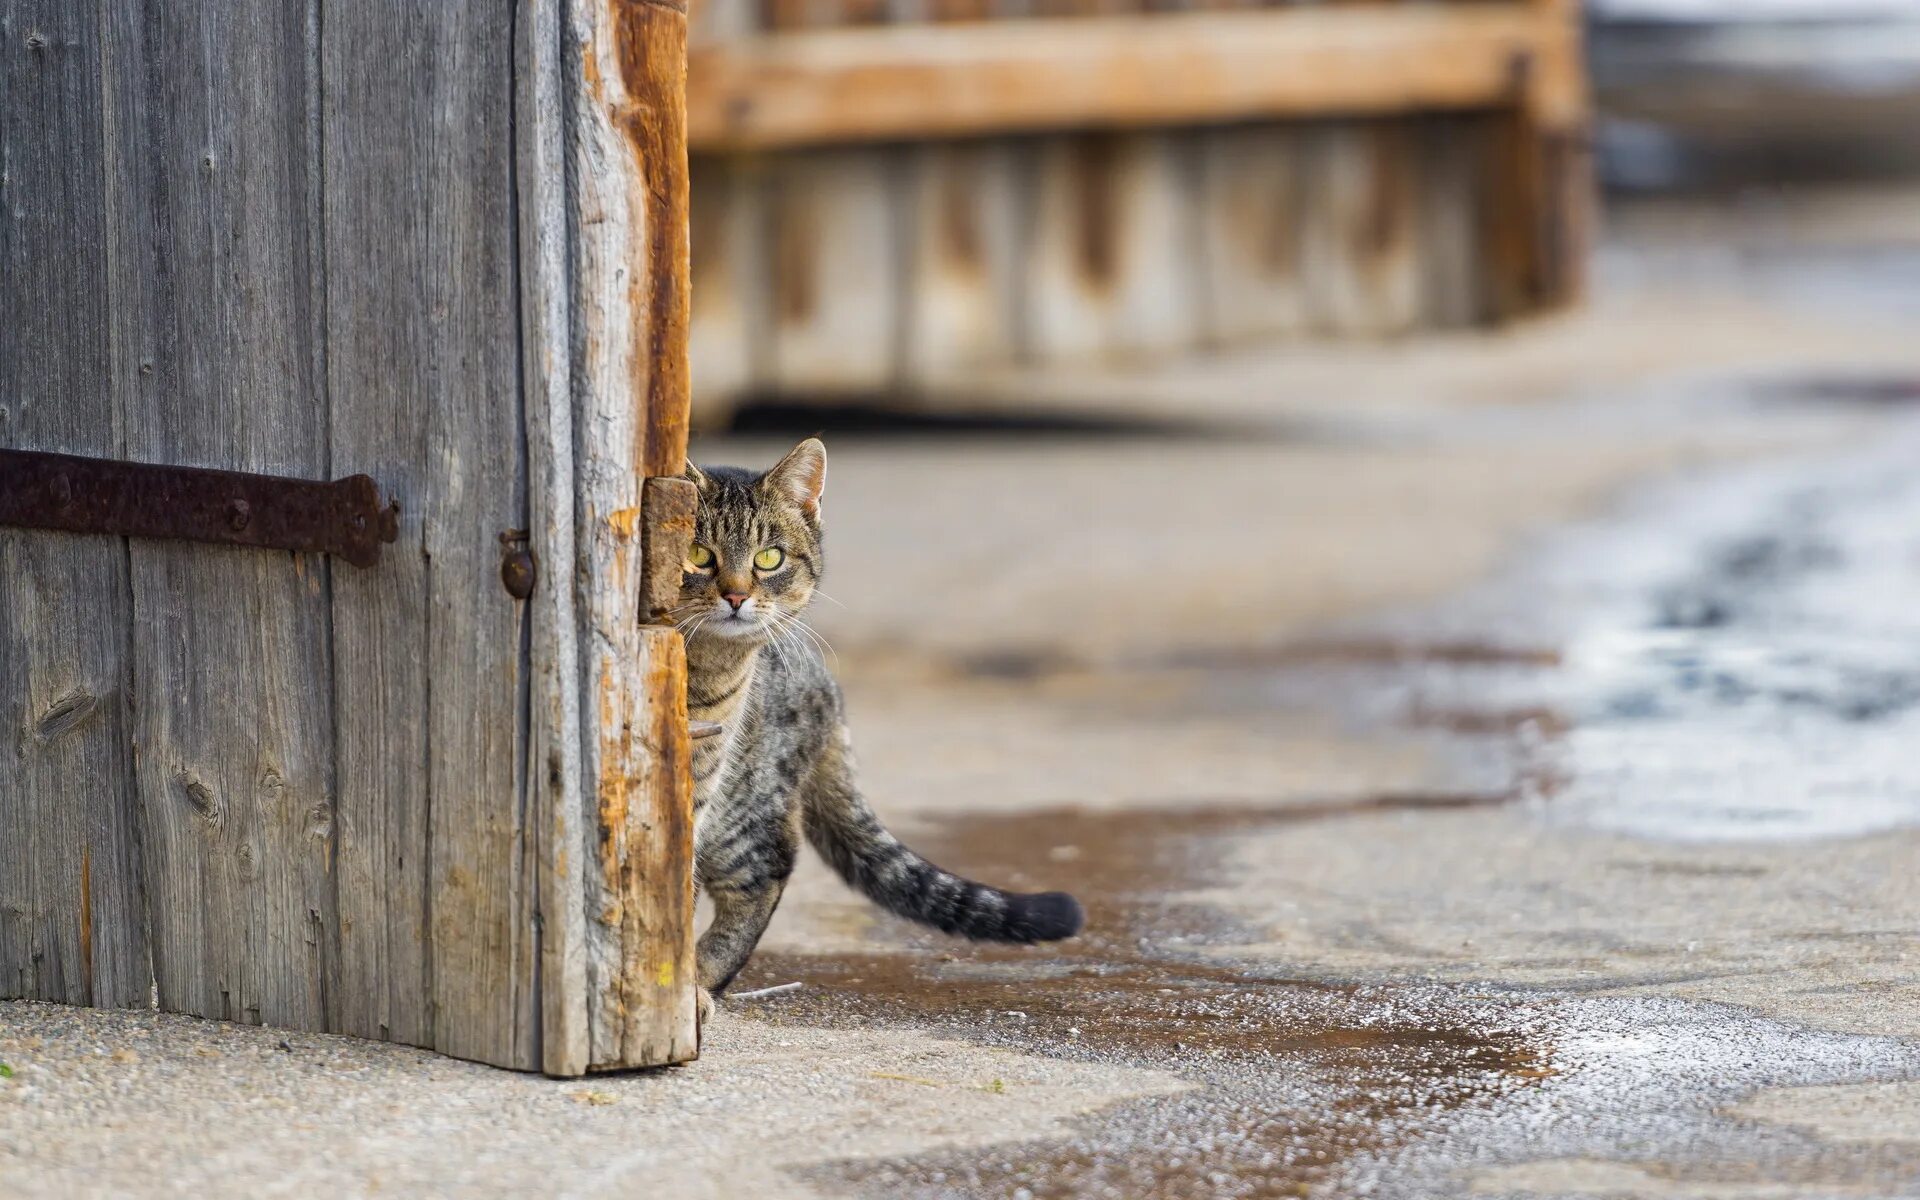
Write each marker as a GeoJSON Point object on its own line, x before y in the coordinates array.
{"type": "Point", "coordinates": [815, 636]}
{"type": "Point", "coordinates": [780, 639]}
{"type": "Point", "coordinates": [792, 627]}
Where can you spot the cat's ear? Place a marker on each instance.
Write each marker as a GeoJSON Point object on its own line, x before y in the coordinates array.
{"type": "Point", "coordinates": [801, 476]}
{"type": "Point", "coordinates": [694, 475]}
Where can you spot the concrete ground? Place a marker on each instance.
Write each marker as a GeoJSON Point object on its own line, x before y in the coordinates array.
{"type": "Point", "coordinates": [1482, 762]}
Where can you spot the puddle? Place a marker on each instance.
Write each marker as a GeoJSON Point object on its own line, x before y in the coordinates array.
{"type": "Point", "coordinates": [1293, 1076]}
{"type": "Point", "coordinates": [1764, 683]}
{"type": "Point", "coordinates": [1300, 1086]}
{"type": "Point", "coordinates": [1734, 657]}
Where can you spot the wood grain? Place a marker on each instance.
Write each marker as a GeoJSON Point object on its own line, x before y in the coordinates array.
{"type": "Point", "coordinates": [651, 45]}
{"type": "Point", "coordinates": [483, 996]}
{"type": "Point", "coordinates": [654, 860]}
{"type": "Point", "coordinates": [436, 900]}
{"type": "Point", "coordinates": [382, 364]}
{"type": "Point", "coordinates": [841, 85]}
{"type": "Point", "coordinates": [668, 508]}
{"type": "Point", "coordinates": [625, 52]}
{"type": "Point", "coordinates": [218, 352]}
{"type": "Point", "coordinates": [557, 822]}
{"type": "Point", "coordinates": [72, 909]}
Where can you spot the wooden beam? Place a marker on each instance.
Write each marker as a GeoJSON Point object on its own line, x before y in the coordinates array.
{"type": "Point", "coordinates": [627, 243]}
{"type": "Point", "coordinates": [908, 82]}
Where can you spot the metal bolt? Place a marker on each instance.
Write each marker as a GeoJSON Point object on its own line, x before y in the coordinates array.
{"type": "Point", "coordinates": [62, 489]}
{"type": "Point", "coordinates": [518, 572]}
{"type": "Point", "coordinates": [239, 514]}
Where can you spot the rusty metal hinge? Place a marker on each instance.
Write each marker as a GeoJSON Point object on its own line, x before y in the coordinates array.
{"type": "Point", "coordinates": [98, 495]}
{"type": "Point", "coordinates": [667, 509]}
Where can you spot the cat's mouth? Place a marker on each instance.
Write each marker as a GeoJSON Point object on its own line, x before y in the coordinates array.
{"type": "Point", "coordinates": [736, 624]}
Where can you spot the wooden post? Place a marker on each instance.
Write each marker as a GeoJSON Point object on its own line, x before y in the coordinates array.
{"type": "Point", "coordinates": [1537, 220]}
{"type": "Point", "coordinates": [628, 223]}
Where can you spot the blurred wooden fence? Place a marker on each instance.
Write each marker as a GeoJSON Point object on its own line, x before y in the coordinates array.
{"type": "Point", "coordinates": [884, 207]}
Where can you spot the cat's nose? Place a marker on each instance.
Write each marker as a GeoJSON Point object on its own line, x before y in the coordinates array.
{"type": "Point", "coordinates": [734, 598]}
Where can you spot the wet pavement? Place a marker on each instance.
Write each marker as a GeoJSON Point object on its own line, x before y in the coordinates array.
{"type": "Point", "coordinates": [1726, 659]}
{"type": "Point", "coordinates": [1742, 674]}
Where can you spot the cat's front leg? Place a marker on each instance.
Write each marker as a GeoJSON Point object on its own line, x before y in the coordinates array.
{"type": "Point", "coordinates": [744, 899]}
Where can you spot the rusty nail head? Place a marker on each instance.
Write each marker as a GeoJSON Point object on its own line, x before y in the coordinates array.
{"type": "Point", "coordinates": [518, 568]}
{"type": "Point", "coordinates": [62, 489]}
{"type": "Point", "coordinates": [239, 514]}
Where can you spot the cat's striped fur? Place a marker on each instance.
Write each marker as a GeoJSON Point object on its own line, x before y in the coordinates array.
{"type": "Point", "coordinates": [782, 768]}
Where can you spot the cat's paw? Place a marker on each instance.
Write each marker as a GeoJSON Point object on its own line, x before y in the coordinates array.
{"type": "Point", "coordinates": [704, 1002]}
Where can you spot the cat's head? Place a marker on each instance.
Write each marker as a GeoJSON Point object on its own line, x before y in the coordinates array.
{"type": "Point", "coordinates": [756, 553]}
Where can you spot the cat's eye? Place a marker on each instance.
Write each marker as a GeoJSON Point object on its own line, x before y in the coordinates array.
{"type": "Point", "coordinates": [699, 557]}
{"type": "Point", "coordinates": [770, 558]}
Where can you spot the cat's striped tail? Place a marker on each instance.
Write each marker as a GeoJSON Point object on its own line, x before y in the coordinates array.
{"type": "Point", "coordinates": [850, 837]}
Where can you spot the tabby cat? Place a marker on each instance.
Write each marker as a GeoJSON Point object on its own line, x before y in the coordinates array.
{"type": "Point", "coordinates": [783, 765]}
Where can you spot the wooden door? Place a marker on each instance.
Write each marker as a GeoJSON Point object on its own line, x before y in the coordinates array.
{"type": "Point", "coordinates": [417, 801]}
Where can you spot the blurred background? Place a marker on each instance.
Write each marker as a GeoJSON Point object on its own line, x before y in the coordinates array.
{"type": "Point", "coordinates": [1392, 495]}
{"type": "Point", "coordinates": [930, 204]}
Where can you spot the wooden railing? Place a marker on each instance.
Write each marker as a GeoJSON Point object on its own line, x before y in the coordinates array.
{"type": "Point", "coordinates": [905, 82]}
{"type": "Point", "coordinates": [893, 197]}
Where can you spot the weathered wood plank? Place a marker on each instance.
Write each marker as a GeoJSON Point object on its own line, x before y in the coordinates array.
{"type": "Point", "coordinates": [423, 370]}
{"type": "Point", "coordinates": [483, 988]}
{"type": "Point", "coordinates": [381, 367]}
{"type": "Point", "coordinates": [728, 353]}
{"type": "Point", "coordinates": [627, 227]}
{"type": "Point", "coordinates": [217, 353]}
{"type": "Point", "coordinates": [1450, 247]}
{"type": "Point", "coordinates": [835, 289]}
{"type": "Point", "coordinates": [730, 321]}
{"type": "Point", "coordinates": [962, 246]}
{"type": "Point", "coordinates": [1249, 194]}
{"type": "Point", "coordinates": [1363, 273]}
{"type": "Point", "coordinates": [72, 910]}
{"type": "Point", "coordinates": [1157, 305]}
{"type": "Point", "coordinates": [1252, 194]}
{"type": "Point", "coordinates": [668, 510]}
{"type": "Point", "coordinates": [1110, 268]}
{"type": "Point", "coordinates": [557, 819]}
{"type": "Point", "coordinates": [834, 218]}
{"type": "Point", "coordinates": [1535, 225]}
{"type": "Point", "coordinates": [1111, 248]}
{"type": "Point", "coordinates": [842, 85]}
{"type": "Point", "coordinates": [959, 205]}
{"type": "Point", "coordinates": [656, 862]}
{"type": "Point", "coordinates": [653, 61]}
